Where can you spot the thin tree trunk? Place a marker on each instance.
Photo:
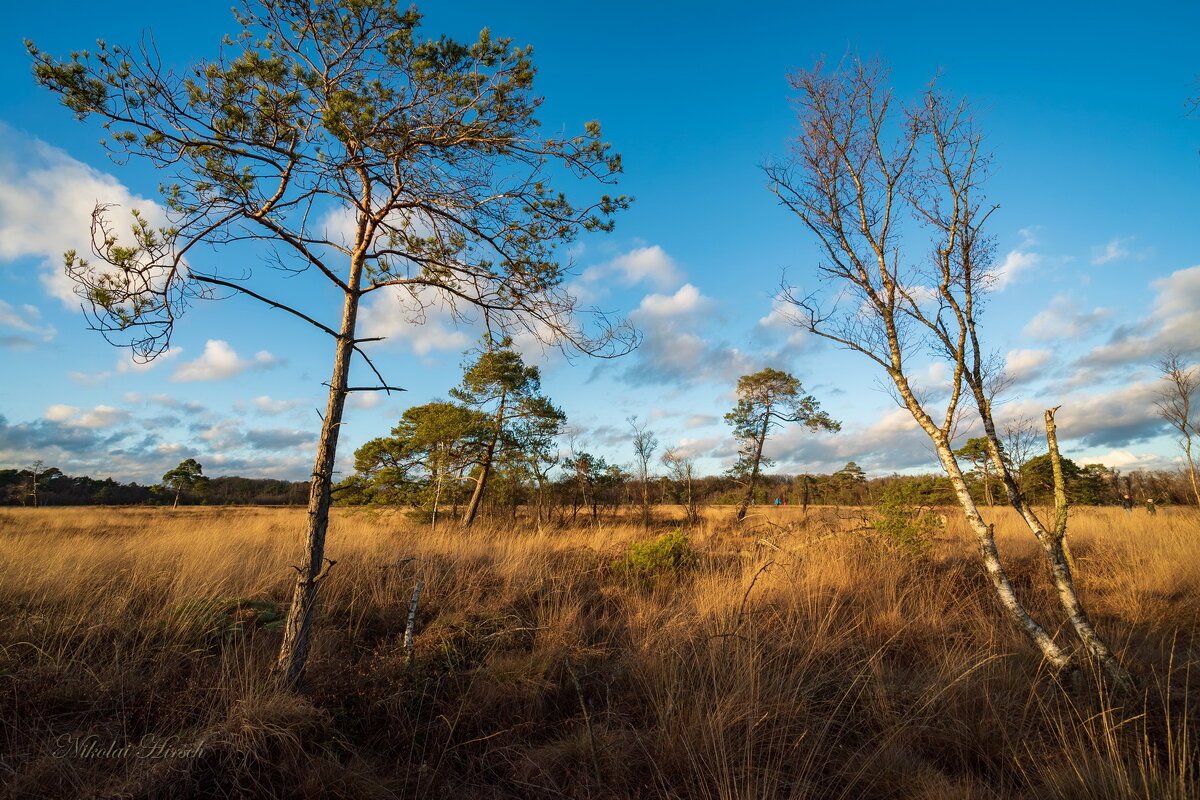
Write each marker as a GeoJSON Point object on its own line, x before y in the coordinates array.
{"type": "Point", "coordinates": [691, 503]}
{"type": "Point", "coordinates": [595, 502]}
{"type": "Point", "coordinates": [987, 484]}
{"type": "Point", "coordinates": [581, 483]}
{"type": "Point", "coordinates": [454, 494]}
{"type": "Point", "coordinates": [297, 633]}
{"type": "Point", "coordinates": [485, 468]}
{"type": "Point", "coordinates": [1054, 548]}
{"type": "Point", "coordinates": [1055, 544]}
{"type": "Point", "coordinates": [1192, 469]}
{"type": "Point", "coordinates": [985, 536]}
{"type": "Point", "coordinates": [1052, 543]}
{"type": "Point", "coordinates": [758, 448]}
{"type": "Point", "coordinates": [437, 498]}
{"type": "Point", "coordinates": [986, 540]}
{"type": "Point", "coordinates": [539, 500]}
{"type": "Point", "coordinates": [410, 630]}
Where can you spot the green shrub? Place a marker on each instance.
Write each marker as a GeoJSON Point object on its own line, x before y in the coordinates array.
{"type": "Point", "coordinates": [668, 554]}
{"type": "Point", "coordinates": [905, 521]}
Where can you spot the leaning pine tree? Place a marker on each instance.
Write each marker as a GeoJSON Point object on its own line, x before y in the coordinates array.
{"type": "Point", "coordinates": [870, 179]}
{"type": "Point", "coordinates": [500, 386]}
{"type": "Point", "coordinates": [766, 400]}
{"type": "Point", "coordinates": [426, 150]}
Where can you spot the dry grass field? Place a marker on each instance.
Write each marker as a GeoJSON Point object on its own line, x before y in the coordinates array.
{"type": "Point", "coordinates": [134, 645]}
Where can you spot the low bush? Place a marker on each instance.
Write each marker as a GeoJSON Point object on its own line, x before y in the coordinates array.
{"type": "Point", "coordinates": [905, 521]}
{"type": "Point", "coordinates": [670, 553]}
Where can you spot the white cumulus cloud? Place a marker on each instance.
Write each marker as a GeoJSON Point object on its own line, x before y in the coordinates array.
{"type": "Point", "coordinates": [220, 361]}
{"type": "Point", "coordinates": [1064, 319]}
{"type": "Point", "coordinates": [685, 300]}
{"type": "Point", "coordinates": [1024, 365]}
{"type": "Point", "coordinates": [75, 417]}
{"type": "Point", "coordinates": [1128, 460]}
{"type": "Point", "coordinates": [643, 264]}
{"type": "Point", "coordinates": [268, 405]}
{"type": "Point", "coordinates": [395, 316]}
{"type": "Point", "coordinates": [1019, 260]}
{"type": "Point", "coordinates": [46, 203]}
{"type": "Point", "coordinates": [1014, 263]}
{"type": "Point", "coordinates": [1171, 325]}
{"type": "Point", "coordinates": [25, 320]}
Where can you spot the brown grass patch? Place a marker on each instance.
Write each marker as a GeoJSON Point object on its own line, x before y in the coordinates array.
{"type": "Point", "coordinates": [789, 663]}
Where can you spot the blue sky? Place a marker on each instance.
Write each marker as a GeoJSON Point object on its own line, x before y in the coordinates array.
{"type": "Point", "coordinates": [1097, 174]}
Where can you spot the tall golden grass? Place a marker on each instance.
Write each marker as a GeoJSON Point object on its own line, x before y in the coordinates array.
{"type": "Point", "coordinates": [791, 662]}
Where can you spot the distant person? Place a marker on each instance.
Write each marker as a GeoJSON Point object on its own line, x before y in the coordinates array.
{"type": "Point", "coordinates": [1127, 504]}
{"type": "Point", "coordinates": [778, 501]}
{"type": "Point", "coordinates": [1153, 509]}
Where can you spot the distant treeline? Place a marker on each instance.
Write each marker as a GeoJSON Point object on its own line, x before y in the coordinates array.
{"type": "Point", "coordinates": [606, 489]}
{"type": "Point", "coordinates": [49, 486]}
{"type": "Point", "coordinates": [593, 488]}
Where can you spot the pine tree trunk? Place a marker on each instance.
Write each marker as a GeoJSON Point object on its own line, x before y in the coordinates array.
{"type": "Point", "coordinates": [485, 468]}
{"type": "Point", "coordinates": [758, 448]}
{"type": "Point", "coordinates": [437, 499]}
{"type": "Point", "coordinates": [455, 493]}
{"type": "Point", "coordinates": [539, 499]}
{"type": "Point", "coordinates": [297, 634]}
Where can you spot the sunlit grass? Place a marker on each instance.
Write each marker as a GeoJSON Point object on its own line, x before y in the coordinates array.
{"type": "Point", "coordinates": [798, 657]}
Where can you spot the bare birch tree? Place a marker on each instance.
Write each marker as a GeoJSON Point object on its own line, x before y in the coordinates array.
{"type": "Point", "coordinates": [1178, 404]}
{"type": "Point", "coordinates": [1020, 437]}
{"type": "Point", "coordinates": [644, 445]}
{"type": "Point", "coordinates": [682, 469]}
{"type": "Point", "coordinates": [36, 469]}
{"type": "Point", "coordinates": [893, 194]}
{"type": "Point", "coordinates": [427, 149]}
